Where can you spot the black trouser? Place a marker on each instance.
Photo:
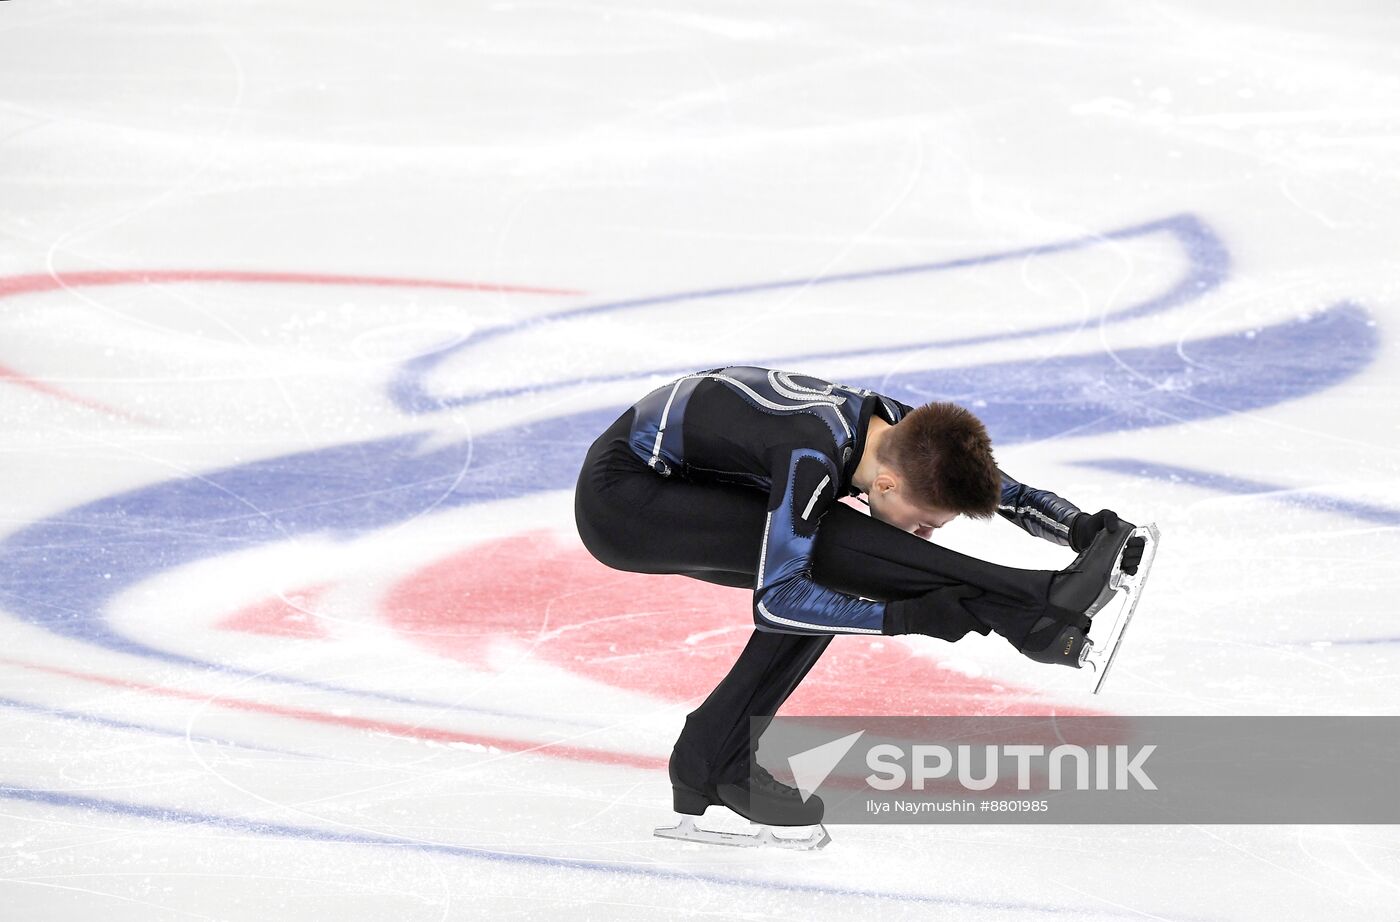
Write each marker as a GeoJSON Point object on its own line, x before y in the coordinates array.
{"type": "Point", "coordinates": [631, 518]}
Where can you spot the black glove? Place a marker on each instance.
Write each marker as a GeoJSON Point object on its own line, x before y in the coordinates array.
{"type": "Point", "coordinates": [1083, 527]}
{"type": "Point", "coordinates": [940, 613]}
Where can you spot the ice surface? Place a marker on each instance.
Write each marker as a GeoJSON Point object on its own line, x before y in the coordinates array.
{"type": "Point", "coordinates": [310, 310]}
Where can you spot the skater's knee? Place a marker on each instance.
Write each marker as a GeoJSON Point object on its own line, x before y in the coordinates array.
{"type": "Point", "coordinates": [602, 544]}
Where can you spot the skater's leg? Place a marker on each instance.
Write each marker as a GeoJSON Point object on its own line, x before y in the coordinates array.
{"type": "Point", "coordinates": [714, 747]}
{"type": "Point", "coordinates": [859, 555]}
{"type": "Point", "coordinates": [632, 519]}
{"type": "Point", "coordinates": [1030, 608]}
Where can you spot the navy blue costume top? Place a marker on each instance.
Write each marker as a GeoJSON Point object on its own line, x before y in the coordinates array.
{"type": "Point", "coordinates": [799, 439]}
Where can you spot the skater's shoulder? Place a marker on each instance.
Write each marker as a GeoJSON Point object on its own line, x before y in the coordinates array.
{"type": "Point", "coordinates": [808, 386]}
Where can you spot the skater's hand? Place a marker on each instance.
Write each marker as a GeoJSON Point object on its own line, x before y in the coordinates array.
{"type": "Point", "coordinates": [941, 613]}
{"type": "Point", "coordinates": [1084, 527]}
{"type": "Point", "coordinates": [1132, 553]}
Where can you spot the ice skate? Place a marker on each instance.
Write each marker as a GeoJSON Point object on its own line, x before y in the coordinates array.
{"type": "Point", "coordinates": [1115, 617]}
{"type": "Point", "coordinates": [1067, 643]}
{"type": "Point", "coordinates": [1088, 583]}
{"type": "Point", "coordinates": [763, 801]}
{"type": "Point", "coordinates": [1084, 589]}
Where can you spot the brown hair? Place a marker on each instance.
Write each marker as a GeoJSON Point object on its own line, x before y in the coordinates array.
{"type": "Point", "coordinates": [945, 455]}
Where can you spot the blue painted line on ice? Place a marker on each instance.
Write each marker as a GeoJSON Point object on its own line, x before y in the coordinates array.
{"type": "Point", "coordinates": [238, 824]}
{"type": "Point", "coordinates": [1364, 642]}
{"type": "Point", "coordinates": [1149, 386]}
{"type": "Point", "coordinates": [79, 717]}
{"type": "Point", "coordinates": [1241, 486]}
{"type": "Point", "coordinates": [62, 573]}
{"type": "Point", "coordinates": [1208, 264]}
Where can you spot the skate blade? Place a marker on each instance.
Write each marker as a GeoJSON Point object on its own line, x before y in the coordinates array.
{"type": "Point", "coordinates": [687, 831]}
{"type": "Point", "coordinates": [1101, 651]}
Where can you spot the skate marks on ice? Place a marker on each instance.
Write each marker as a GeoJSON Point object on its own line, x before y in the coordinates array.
{"type": "Point", "coordinates": [1292, 496]}
{"type": "Point", "coordinates": [62, 573]}
{"type": "Point", "coordinates": [344, 718]}
{"type": "Point", "coordinates": [957, 292]}
{"type": "Point", "coordinates": [1242, 486]}
{"type": "Point", "coordinates": [353, 489]}
{"type": "Point", "coordinates": [522, 859]}
{"type": "Point", "coordinates": [347, 490]}
{"type": "Point", "coordinates": [1149, 386]}
{"type": "Point", "coordinates": [500, 600]}
{"type": "Point", "coordinates": [18, 285]}
{"type": "Point", "coordinates": [79, 717]}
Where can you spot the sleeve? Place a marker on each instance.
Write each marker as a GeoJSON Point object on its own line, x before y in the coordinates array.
{"type": "Point", "coordinates": [904, 408]}
{"type": "Point", "coordinates": [1039, 512]}
{"type": "Point", "coordinates": [785, 599]}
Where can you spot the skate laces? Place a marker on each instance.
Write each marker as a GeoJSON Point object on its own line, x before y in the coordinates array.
{"type": "Point", "coordinates": [762, 778]}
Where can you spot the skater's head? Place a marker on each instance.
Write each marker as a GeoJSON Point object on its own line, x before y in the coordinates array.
{"type": "Point", "coordinates": [932, 466]}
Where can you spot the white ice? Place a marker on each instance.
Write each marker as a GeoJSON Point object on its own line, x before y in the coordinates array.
{"type": "Point", "coordinates": [226, 227]}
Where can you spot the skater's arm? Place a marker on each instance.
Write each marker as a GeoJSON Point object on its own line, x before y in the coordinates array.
{"type": "Point", "coordinates": [785, 598]}
{"type": "Point", "coordinates": [1039, 512]}
{"type": "Point", "coordinates": [1048, 516]}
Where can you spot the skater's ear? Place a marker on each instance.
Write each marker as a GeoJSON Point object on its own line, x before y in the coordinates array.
{"type": "Point", "coordinates": [886, 481]}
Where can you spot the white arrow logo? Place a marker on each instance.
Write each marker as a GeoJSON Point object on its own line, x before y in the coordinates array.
{"type": "Point", "coordinates": [811, 766]}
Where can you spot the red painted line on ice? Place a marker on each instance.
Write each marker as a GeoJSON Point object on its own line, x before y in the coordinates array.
{"type": "Point", "coordinates": [25, 284]}
{"type": "Point", "coordinates": [13, 285]}
{"type": "Point", "coordinates": [393, 728]}
{"type": "Point", "coordinates": [9, 375]}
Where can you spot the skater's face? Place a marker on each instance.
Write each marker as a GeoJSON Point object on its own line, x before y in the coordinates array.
{"type": "Point", "coordinates": [888, 503]}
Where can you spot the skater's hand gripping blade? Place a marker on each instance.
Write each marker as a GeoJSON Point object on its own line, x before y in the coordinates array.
{"type": "Point", "coordinates": [1112, 621]}
{"type": "Point", "coordinates": [687, 831]}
